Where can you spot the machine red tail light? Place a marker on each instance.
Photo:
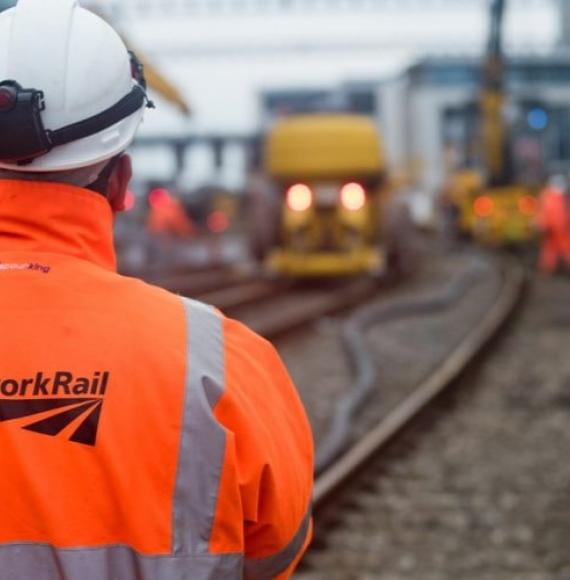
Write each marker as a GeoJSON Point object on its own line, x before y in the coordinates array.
{"type": "Point", "coordinates": [299, 197]}
{"type": "Point", "coordinates": [483, 206]}
{"type": "Point", "coordinates": [527, 205]}
{"type": "Point", "coordinates": [353, 197]}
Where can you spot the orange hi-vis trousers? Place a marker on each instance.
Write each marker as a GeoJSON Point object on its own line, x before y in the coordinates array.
{"type": "Point", "coordinates": [554, 221]}
{"type": "Point", "coordinates": [555, 248]}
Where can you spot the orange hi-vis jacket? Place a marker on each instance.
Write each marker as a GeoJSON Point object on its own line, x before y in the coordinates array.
{"type": "Point", "coordinates": [554, 214]}
{"type": "Point", "coordinates": [142, 436]}
{"type": "Point", "coordinates": [169, 217]}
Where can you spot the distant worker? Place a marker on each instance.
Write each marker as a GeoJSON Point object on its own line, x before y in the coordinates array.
{"type": "Point", "coordinates": [167, 221]}
{"type": "Point", "coordinates": [554, 223]}
{"type": "Point", "coordinates": [167, 215]}
{"type": "Point", "coordinates": [143, 436]}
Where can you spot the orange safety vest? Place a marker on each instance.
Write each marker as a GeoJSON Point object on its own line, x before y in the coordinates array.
{"type": "Point", "coordinates": [142, 436]}
{"type": "Point", "coordinates": [554, 213]}
{"type": "Point", "coordinates": [169, 217]}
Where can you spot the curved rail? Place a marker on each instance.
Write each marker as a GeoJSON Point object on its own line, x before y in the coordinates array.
{"type": "Point", "coordinates": [365, 369]}
{"type": "Point", "coordinates": [333, 478]}
{"type": "Point", "coordinates": [306, 308]}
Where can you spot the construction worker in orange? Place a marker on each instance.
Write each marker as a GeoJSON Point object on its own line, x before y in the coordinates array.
{"type": "Point", "coordinates": [143, 436]}
{"type": "Point", "coordinates": [554, 224]}
{"type": "Point", "coordinates": [167, 215]}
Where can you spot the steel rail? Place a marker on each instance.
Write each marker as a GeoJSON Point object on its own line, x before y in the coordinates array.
{"type": "Point", "coordinates": [156, 274]}
{"type": "Point", "coordinates": [227, 299]}
{"type": "Point", "coordinates": [197, 284]}
{"type": "Point", "coordinates": [339, 474]}
{"type": "Point", "coordinates": [311, 309]}
{"type": "Point", "coordinates": [231, 290]}
{"type": "Point", "coordinates": [365, 370]}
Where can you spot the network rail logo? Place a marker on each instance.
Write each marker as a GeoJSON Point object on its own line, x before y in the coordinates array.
{"type": "Point", "coordinates": [56, 402]}
{"type": "Point", "coordinates": [33, 266]}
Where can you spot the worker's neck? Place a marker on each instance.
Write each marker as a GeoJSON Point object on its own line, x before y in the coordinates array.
{"type": "Point", "coordinates": [56, 218]}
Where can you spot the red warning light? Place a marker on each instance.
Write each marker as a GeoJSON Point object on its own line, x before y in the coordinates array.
{"type": "Point", "coordinates": [158, 197]}
{"type": "Point", "coordinates": [218, 222]}
{"type": "Point", "coordinates": [130, 200]}
{"type": "Point", "coordinates": [527, 205]}
{"type": "Point", "coordinates": [483, 206]}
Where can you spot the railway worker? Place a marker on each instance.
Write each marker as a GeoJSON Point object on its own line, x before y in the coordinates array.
{"type": "Point", "coordinates": [142, 436]}
{"type": "Point", "coordinates": [167, 216]}
{"type": "Point", "coordinates": [167, 222]}
{"type": "Point", "coordinates": [554, 223]}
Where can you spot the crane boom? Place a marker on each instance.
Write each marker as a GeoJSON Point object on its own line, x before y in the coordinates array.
{"type": "Point", "coordinates": [495, 134]}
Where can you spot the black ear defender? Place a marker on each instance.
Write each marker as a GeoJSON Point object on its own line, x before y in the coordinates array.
{"type": "Point", "coordinates": [23, 136]}
{"type": "Point", "coordinates": [22, 132]}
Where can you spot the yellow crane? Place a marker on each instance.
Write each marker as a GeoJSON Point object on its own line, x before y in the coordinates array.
{"type": "Point", "coordinates": [155, 79]}
{"type": "Point", "coordinates": [491, 205]}
{"type": "Point", "coordinates": [162, 85]}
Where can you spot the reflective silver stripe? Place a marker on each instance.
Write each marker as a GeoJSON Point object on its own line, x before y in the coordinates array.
{"type": "Point", "coordinates": [201, 457]}
{"type": "Point", "coordinates": [41, 562]}
{"type": "Point", "coordinates": [264, 568]}
{"type": "Point", "coordinates": [203, 440]}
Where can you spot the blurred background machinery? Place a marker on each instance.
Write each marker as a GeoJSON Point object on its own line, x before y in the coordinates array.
{"type": "Point", "coordinates": [448, 120]}
{"type": "Point", "coordinates": [320, 203]}
{"type": "Point", "coordinates": [492, 197]}
{"type": "Point", "coordinates": [373, 57]}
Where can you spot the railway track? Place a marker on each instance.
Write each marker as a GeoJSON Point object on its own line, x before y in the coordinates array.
{"type": "Point", "coordinates": [223, 286]}
{"type": "Point", "coordinates": [156, 274]}
{"type": "Point", "coordinates": [271, 307]}
{"type": "Point", "coordinates": [296, 307]}
{"type": "Point", "coordinates": [333, 486]}
{"type": "Point", "coordinates": [245, 293]}
{"type": "Point", "coordinates": [197, 283]}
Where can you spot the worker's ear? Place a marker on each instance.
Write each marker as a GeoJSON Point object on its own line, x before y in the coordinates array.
{"type": "Point", "coordinates": [119, 183]}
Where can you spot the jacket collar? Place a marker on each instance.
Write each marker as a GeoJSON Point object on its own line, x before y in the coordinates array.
{"type": "Point", "coordinates": [56, 218]}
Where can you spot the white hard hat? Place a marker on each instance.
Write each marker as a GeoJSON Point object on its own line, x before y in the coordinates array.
{"type": "Point", "coordinates": [69, 91]}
